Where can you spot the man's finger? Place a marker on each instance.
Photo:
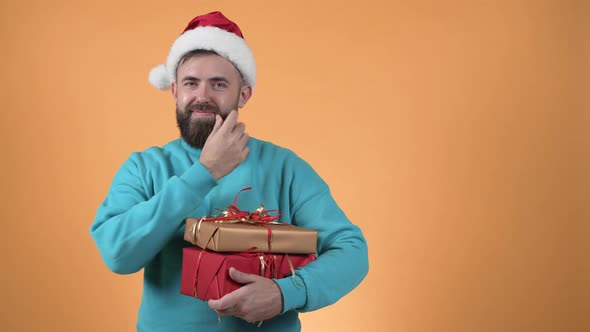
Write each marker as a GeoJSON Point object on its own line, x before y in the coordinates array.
{"type": "Point", "coordinates": [228, 301]}
{"type": "Point", "coordinates": [227, 312]}
{"type": "Point", "coordinates": [240, 127]}
{"type": "Point", "coordinates": [245, 152]}
{"type": "Point", "coordinates": [230, 121]}
{"type": "Point", "coordinates": [244, 139]}
{"type": "Point", "coordinates": [241, 277]}
{"type": "Point", "coordinates": [223, 304]}
{"type": "Point", "coordinates": [218, 123]}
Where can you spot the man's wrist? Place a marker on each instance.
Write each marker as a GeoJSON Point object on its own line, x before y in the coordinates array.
{"type": "Point", "coordinates": [209, 169]}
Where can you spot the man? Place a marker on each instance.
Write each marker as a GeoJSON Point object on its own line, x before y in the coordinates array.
{"type": "Point", "coordinates": [140, 224]}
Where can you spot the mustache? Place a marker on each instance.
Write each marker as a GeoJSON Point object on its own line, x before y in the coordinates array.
{"type": "Point", "coordinates": [203, 107]}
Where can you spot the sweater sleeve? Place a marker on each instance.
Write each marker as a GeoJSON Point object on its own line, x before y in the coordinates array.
{"type": "Point", "coordinates": [131, 227]}
{"type": "Point", "coordinates": [342, 261]}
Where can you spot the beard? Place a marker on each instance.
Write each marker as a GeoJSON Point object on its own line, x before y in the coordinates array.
{"type": "Point", "coordinates": [196, 131]}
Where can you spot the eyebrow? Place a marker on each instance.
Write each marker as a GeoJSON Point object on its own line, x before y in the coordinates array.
{"type": "Point", "coordinates": [190, 78]}
{"type": "Point", "coordinates": [219, 78]}
{"type": "Point", "coordinates": [215, 78]}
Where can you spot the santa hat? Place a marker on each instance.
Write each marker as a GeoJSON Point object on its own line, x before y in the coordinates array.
{"type": "Point", "coordinates": [213, 32]}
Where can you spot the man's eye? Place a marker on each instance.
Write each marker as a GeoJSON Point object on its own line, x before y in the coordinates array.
{"type": "Point", "coordinates": [220, 85]}
{"type": "Point", "coordinates": [189, 83]}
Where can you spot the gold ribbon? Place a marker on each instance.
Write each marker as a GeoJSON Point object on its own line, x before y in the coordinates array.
{"type": "Point", "coordinates": [196, 227]}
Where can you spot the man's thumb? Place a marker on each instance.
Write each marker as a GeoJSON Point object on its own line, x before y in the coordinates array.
{"type": "Point", "coordinates": [241, 277]}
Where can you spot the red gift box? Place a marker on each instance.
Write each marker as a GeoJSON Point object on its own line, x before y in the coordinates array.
{"type": "Point", "coordinates": [205, 274]}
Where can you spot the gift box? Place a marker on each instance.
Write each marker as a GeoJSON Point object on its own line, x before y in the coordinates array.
{"type": "Point", "coordinates": [205, 274]}
{"type": "Point", "coordinates": [245, 236]}
{"type": "Point", "coordinates": [235, 230]}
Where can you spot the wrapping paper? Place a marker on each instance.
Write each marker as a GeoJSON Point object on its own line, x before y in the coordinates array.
{"type": "Point", "coordinates": [205, 274]}
{"type": "Point", "coordinates": [256, 237]}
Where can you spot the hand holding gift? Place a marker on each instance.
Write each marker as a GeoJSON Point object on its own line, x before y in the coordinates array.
{"type": "Point", "coordinates": [205, 273]}
{"type": "Point", "coordinates": [259, 299]}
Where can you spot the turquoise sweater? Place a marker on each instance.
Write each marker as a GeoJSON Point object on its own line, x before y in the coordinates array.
{"type": "Point", "coordinates": [140, 224]}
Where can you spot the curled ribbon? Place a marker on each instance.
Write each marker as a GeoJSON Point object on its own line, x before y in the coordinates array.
{"type": "Point", "coordinates": [234, 215]}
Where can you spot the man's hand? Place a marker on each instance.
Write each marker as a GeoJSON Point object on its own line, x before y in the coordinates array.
{"type": "Point", "coordinates": [225, 147]}
{"type": "Point", "coordinates": [259, 299]}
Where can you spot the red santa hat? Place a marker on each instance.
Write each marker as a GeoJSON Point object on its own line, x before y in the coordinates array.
{"type": "Point", "coordinates": [213, 32]}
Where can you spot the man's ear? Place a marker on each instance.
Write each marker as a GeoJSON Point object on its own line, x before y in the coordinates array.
{"type": "Point", "coordinates": [245, 95]}
{"type": "Point", "coordinates": [173, 89]}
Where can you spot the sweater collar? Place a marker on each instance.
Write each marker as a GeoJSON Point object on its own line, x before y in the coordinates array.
{"type": "Point", "coordinates": [193, 152]}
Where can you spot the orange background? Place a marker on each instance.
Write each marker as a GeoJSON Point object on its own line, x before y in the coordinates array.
{"type": "Point", "coordinates": [454, 133]}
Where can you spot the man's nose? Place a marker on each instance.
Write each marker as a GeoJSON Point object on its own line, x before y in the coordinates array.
{"type": "Point", "coordinates": [202, 93]}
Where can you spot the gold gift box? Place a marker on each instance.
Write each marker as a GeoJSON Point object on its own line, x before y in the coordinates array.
{"type": "Point", "coordinates": [243, 236]}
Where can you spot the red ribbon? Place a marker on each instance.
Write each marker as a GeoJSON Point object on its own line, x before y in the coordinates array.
{"type": "Point", "coordinates": [233, 212]}
{"type": "Point", "coordinates": [259, 217]}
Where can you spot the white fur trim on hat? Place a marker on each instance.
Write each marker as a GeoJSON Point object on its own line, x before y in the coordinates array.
{"type": "Point", "coordinates": [225, 43]}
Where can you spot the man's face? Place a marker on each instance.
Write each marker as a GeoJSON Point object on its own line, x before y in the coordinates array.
{"type": "Point", "coordinates": [206, 85]}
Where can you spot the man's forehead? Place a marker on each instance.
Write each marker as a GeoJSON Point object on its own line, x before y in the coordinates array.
{"type": "Point", "coordinates": [207, 65]}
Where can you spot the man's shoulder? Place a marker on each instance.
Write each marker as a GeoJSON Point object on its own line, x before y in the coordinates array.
{"type": "Point", "coordinates": [269, 149]}
{"type": "Point", "coordinates": [268, 153]}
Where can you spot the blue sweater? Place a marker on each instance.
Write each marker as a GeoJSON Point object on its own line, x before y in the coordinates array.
{"type": "Point", "coordinates": [140, 224]}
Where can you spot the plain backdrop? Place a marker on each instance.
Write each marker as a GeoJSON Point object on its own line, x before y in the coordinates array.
{"type": "Point", "coordinates": [454, 133]}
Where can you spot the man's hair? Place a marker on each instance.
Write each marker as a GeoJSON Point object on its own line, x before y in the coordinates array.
{"type": "Point", "coordinates": [199, 52]}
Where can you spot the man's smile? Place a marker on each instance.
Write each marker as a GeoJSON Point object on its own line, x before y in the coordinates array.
{"type": "Point", "coordinates": [201, 114]}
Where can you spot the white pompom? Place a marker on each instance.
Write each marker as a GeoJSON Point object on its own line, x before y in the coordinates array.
{"type": "Point", "coordinates": [159, 78]}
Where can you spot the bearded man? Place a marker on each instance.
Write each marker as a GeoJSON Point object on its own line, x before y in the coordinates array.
{"type": "Point", "coordinates": [140, 224]}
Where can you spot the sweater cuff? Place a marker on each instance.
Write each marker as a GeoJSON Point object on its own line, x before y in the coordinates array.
{"type": "Point", "coordinates": [294, 294]}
